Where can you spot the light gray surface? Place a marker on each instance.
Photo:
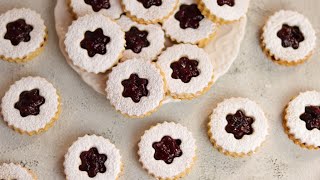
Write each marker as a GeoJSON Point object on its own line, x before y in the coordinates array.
{"type": "Point", "coordinates": [85, 111]}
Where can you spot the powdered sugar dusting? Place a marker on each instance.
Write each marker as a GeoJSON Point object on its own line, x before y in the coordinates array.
{"type": "Point", "coordinates": [13, 171]}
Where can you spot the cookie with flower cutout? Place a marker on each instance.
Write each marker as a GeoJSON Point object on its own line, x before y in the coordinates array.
{"type": "Point", "coordinates": [11, 171]}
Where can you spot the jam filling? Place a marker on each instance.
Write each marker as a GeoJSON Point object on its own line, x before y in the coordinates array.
{"type": "Point", "coordinates": [135, 88]}
{"type": "Point", "coordinates": [97, 5]}
{"type": "Point", "coordinates": [29, 103]}
{"type": "Point", "coordinates": [239, 124]}
{"type": "Point", "coordinates": [290, 36]}
{"type": "Point", "coordinates": [136, 39]}
{"type": "Point", "coordinates": [189, 16]}
{"type": "Point", "coordinates": [95, 42]}
{"type": "Point", "coordinates": [18, 31]}
{"type": "Point", "coordinates": [92, 162]}
{"type": "Point", "coordinates": [230, 3]}
{"type": "Point", "coordinates": [185, 69]}
{"type": "Point", "coordinates": [312, 117]}
{"type": "Point", "coordinates": [167, 149]}
{"type": "Point", "coordinates": [148, 3]}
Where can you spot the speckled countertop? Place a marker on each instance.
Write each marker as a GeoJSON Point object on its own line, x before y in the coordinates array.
{"type": "Point", "coordinates": [85, 111]}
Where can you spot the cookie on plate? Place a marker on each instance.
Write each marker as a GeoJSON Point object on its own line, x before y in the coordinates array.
{"type": "Point", "coordinates": [92, 157]}
{"type": "Point", "coordinates": [188, 71]}
{"type": "Point", "coordinates": [11, 171]}
{"type": "Point", "coordinates": [237, 127]}
{"type": "Point", "coordinates": [24, 35]}
{"type": "Point", "coordinates": [136, 88]}
{"type": "Point", "coordinates": [94, 43]}
{"type": "Point", "coordinates": [288, 38]}
{"type": "Point", "coordinates": [31, 105]}
{"type": "Point", "coordinates": [167, 150]}
{"type": "Point", "coordinates": [188, 25]}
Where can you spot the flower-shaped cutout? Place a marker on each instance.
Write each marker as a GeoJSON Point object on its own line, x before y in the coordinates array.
{"type": "Point", "coordinates": [29, 103]}
{"type": "Point", "coordinates": [312, 117]}
{"type": "Point", "coordinates": [290, 36]}
{"type": "Point", "coordinates": [227, 2]}
{"type": "Point", "coordinates": [18, 31]}
{"type": "Point", "coordinates": [92, 162]}
{"type": "Point", "coordinates": [189, 16]}
{"type": "Point", "coordinates": [167, 149]}
{"type": "Point", "coordinates": [185, 69]}
{"type": "Point", "coordinates": [239, 124]}
{"type": "Point", "coordinates": [136, 39]}
{"type": "Point", "coordinates": [97, 5]}
{"type": "Point", "coordinates": [135, 88]}
{"type": "Point", "coordinates": [95, 42]}
{"type": "Point", "coordinates": [148, 3]}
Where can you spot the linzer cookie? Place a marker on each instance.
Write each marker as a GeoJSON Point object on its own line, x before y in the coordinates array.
{"type": "Point", "coordinates": [92, 157]}
{"type": "Point", "coordinates": [11, 171]}
{"type": "Point", "coordinates": [224, 11]}
{"type": "Point", "coordinates": [110, 8]}
{"type": "Point", "coordinates": [167, 151]}
{"type": "Point", "coordinates": [149, 11]}
{"type": "Point", "coordinates": [237, 127]}
{"type": "Point", "coordinates": [94, 43]}
{"type": "Point", "coordinates": [135, 88]}
{"type": "Point", "coordinates": [31, 105]}
{"type": "Point", "coordinates": [302, 120]}
{"type": "Point", "coordinates": [23, 35]}
{"type": "Point", "coordinates": [288, 38]}
{"type": "Point", "coordinates": [188, 70]}
{"type": "Point", "coordinates": [142, 41]}
{"type": "Point", "coordinates": [188, 25]}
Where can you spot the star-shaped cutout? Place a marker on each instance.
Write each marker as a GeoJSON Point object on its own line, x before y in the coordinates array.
{"type": "Point", "coordinates": [312, 117]}
{"type": "Point", "coordinates": [136, 39]}
{"type": "Point", "coordinates": [148, 3]}
{"type": "Point", "coordinates": [92, 162]}
{"type": "Point", "coordinates": [167, 149]}
{"type": "Point", "coordinates": [29, 103]}
{"type": "Point", "coordinates": [189, 16]}
{"type": "Point", "coordinates": [95, 42]}
{"type": "Point", "coordinates": [135, 88]}
{"type": "Point", "coordinates": [18, 31]}
{"type": "Point", "coordinates": [227, 2]}
{"type": "Point", "coordinates": [185, 69]}
{"type": "Point", "coordinates": [239, 124]}
{"type": "Point", "coordinates": [97, 5]}
{"type": "Point", "coordinates": [291, 36]}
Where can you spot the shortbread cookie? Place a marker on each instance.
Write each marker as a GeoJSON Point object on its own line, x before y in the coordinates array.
{"type": "Point", "coordinates": [94, 43]}
{"type": "Point", "coordinates": [188, 70]}
{"type": "Point", "coordinates": [31, 105]}
{"type": "Point", "coordinates": [135, 88]}
{"type": "Point", "coordinates": [188, 25]}
{"type": "Point", "coordinates": [224, 11]}
{"type": "Point", "coordinates": [237, 127]}
{"type": "Point", "coordinates": [167, 150]}
{"type": "Point", "coordinates": [15, 172]}
{"type": "Point", "coordinates": [142, 41]}
{"type": "Point", "coordinates": [149, 11]}
{"type": "Point", "coordinates": [23, 35]}
{"type": "Point", "coordinates": [92, 157]}
{"type": "Point", "coordinates": [302, 120]}
{"type": "Point", "coordinates": [288, 38]}
{"type": "Point", "coordinates": [110, 8]}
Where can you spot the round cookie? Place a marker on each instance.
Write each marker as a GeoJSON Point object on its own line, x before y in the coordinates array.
{"type": "Point", "coordinates": [94, 43]}
{"type": "Point", "coordinates": [135, 88]}
{"type": "Point", "coordinates": [188, 71]}
{"type": "Point", "coordinates": [288, 38]}
{"type": "Point", "coordinates": [142, 41]}
{"type": "Point", "coordinates": [188, 25]}
{"type": "Point", "coordinates": [301, 120]}
{"type": "Point", "coordinates": [31, 105]}
{"type": "Point", "coordinates": [237, 127]}
{"type": "Point", "coordinates": [23, 35]}
{"type": "Point", "coordinates": [149, 11]}
{"type": "Point", "coordinates": [92, 157]}
{"type": "Point", "coordinates": [167, 150]}
{"type": "Point", "coordinates": [15, 171]}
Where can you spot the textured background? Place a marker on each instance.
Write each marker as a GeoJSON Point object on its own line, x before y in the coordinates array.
{"type": "Point", "coordinates": [85, 111]}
